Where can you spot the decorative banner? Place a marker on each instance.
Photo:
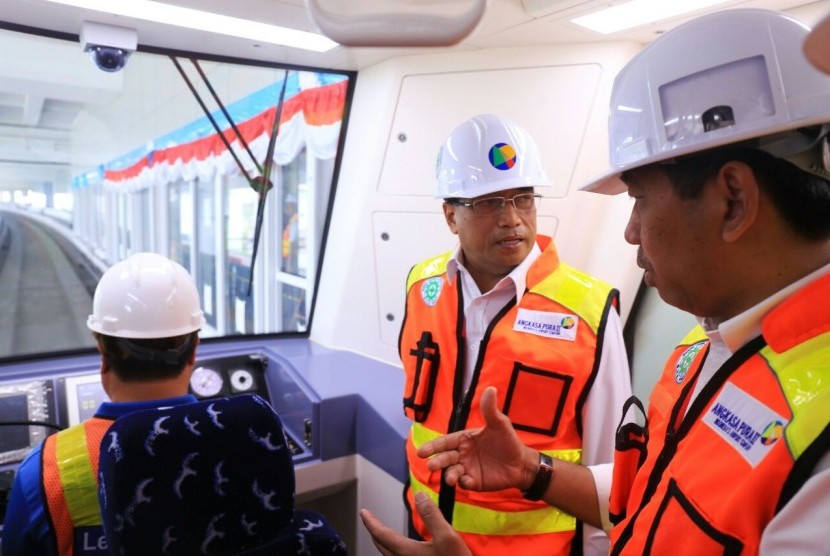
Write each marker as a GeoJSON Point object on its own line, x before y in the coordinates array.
{"type": "Point", "coordinates": [311, 118]}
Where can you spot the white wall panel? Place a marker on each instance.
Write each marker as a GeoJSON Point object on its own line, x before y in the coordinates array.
{"type": "Point", "coordinates": [552, 103]}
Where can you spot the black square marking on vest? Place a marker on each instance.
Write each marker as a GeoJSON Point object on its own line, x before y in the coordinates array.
{"type": "Point", "coordinates": [536, 399]}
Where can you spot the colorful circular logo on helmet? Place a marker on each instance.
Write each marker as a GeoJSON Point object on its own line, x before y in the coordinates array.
{"type": "Point", "coordinates": [685, 361]}
{"type": "Point", "coordinates": [502, 156]}
{"type": "Point", "coordinates": [568, 322]}
{"type": "Point", "coordinates": [772, 432]}
{"type": "Point", "coordinates": [431, 290]}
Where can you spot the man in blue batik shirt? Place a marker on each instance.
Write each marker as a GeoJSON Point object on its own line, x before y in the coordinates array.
{"type": "Point", "coordinates": [145, 319]}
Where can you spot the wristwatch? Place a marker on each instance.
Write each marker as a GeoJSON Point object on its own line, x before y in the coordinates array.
{"type": "Point", "coordinates": [544, 473]}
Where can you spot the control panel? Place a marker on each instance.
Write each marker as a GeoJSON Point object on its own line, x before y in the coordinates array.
{"type": "Point", "coordinates": [27, 413]}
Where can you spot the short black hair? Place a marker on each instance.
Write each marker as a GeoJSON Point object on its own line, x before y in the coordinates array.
{"type": "Point", "coordinates": [128, 358]}
{"type": "Point", "coordinates": [802, 198]}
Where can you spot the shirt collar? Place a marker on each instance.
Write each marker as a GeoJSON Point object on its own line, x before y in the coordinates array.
{"type": "Point", "coordinates": [740, 329]}
{"type": "Point", "coordinates": [113, 410]}
{"type": "Point", "coordinates": [518, 275]}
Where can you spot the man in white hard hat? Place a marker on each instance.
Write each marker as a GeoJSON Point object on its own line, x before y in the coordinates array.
{"type": "Point", "coordinates": [725, 154]}
{"type": "Point", "coordinates": [145, 319]}
{"type": "Point", "coordinates": [502, 310]}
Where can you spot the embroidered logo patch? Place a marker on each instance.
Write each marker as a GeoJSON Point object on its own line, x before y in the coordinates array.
{"type": "Point", "coordinates": [744, 423]}
{"type": "Point", "coordinates": [685, 361]}
{"type": "Point", "coordinates": [431, 290]}
{"type": "Point", "coordinates": [550, 325]}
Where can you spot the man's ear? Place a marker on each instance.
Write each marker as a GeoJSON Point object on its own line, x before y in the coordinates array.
{"type": "Point", "coordinates": [449, 216]}
{"type": "Point", "coordinates": [105, 366]}
{"type": "Point", "coordinates": [739, 188]}
{"type": "Point", "coordinates": [192, 360]}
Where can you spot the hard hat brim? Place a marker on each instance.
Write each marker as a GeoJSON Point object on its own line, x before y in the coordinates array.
{"type": "Point", "coordinates": [493, 187]}
{"type": "Point", "coordinates": [817, 45]}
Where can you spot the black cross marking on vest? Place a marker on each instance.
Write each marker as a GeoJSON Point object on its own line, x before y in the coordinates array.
{"type": "Point", "coordinates": [427, 349]}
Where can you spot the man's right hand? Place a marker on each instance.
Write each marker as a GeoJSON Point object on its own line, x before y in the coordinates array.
{"type": "Point", "coordinates": [489, 458]}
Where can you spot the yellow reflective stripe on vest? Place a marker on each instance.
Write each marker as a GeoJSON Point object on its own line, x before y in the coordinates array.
{"type": "Point", "coordinates": [582, 293]}
{"type": "Point", "coordinates": [469, 518]}
{"type": "Point", "coordinates": [77, 478]}
{"type": "Point", "coordinates": [429, 268]}
{"type": "Point", "coordinates": [803, 369]}
{"type": "Point", "coordinates": [483, 521]}
{"type": "Point", "coordinates": [422, 435]}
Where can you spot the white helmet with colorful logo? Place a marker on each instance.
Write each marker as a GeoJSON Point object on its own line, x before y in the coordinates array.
{"type": "Point", "coordinates": [486, 154]}
{"type": "Point", "coordinates": [737, 76]}
{"type": "Point", "coordinates": [146, 296]}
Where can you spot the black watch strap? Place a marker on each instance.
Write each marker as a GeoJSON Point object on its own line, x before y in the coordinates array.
{"type": "Point", "coordinates": [544, 473]}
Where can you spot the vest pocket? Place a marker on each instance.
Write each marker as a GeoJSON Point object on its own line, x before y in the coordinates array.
{"type": "Point", "coordinates": [420, 382]}
{"type": "Point", "coordinates": [678, 526]}
{"type": "Point", "coordinates": [536, 398]}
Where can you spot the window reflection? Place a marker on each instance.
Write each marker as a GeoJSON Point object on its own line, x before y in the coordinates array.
{"type": "Point", "coordinates": [293, 244]}
{"type": "Point", "coordinates": [142, 236]}
{"type": "Point", "coordinates": [181, 223]}
{"type": "Point", "coordinates": [240, 215]}
{"type": "Point", "coordinates": [293, 308]}
{"type": "Point", "coordinates": [206, 261]}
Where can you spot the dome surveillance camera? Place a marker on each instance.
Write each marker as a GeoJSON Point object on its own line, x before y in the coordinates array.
{"type": "Point", "coordinates": [109, 58]}
{"type": "Point", "coordinates": [109, 45]}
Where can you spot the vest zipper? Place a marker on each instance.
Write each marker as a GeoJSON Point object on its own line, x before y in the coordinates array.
{"type": "Point", "coordinates": [446, 494]}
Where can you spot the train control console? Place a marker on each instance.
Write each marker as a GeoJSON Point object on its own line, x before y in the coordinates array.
{"type": "Point", "coordinates": [32, 409]}
{"type": "Point", "coordinates": [340, 411]}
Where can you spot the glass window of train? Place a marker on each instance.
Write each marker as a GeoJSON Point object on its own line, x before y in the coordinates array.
{"type": "Point", "coordinates": [652, 331]}
{"type": "Point", "coordinates": [293, 217]}
{"type": "Point", "coordinates": [239, 212]}
{"type": "Point", "coordinates": [142, 235]}
{"type": "Point", "coordinates": [206, 231]}
{"type": "Point", "coordinates": [181, 222]}
{"type": "Point", "coordinates": [129, 162]}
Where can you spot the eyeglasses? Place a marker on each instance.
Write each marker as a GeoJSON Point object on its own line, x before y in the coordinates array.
{"type": "Point", "coordinates": [524, 202]}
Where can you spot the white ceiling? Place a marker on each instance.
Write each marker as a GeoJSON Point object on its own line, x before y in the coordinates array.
{"type": "Point", "coordinates": [38, 104]}
{"type": "Point", "coordinates": [505, 23]}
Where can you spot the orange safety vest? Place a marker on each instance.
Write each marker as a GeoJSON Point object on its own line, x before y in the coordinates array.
{"type": "Point", "coordinates": [70, 485]}
{"type": "Point", "coordinates": [541, 354]}
{"type": "Point", "coordinates": [710, 482]}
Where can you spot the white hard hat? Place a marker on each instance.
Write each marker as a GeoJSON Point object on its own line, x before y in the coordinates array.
{"type": "Point", "coordinates": [720, 79]}
{"type": "Point", "coordinates": [486, 154]}
{"type": "Point", "coordinates": [146, 296]}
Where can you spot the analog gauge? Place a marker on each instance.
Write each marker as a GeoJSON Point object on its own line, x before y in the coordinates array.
{"type": "Point", "coordinates": [206, 382]}
{"type": "Point", "coordinates": [242, 380]}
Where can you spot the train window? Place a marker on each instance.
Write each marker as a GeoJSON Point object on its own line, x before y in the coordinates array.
{"type": "Point", "coordinates": [181, 223]}
{"type": "Point", "coordinates": [206, 249]}
{"type": "Point", "coordinates": [238, 247]}
{"type": "Point", "coordinates": [99, 165]}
